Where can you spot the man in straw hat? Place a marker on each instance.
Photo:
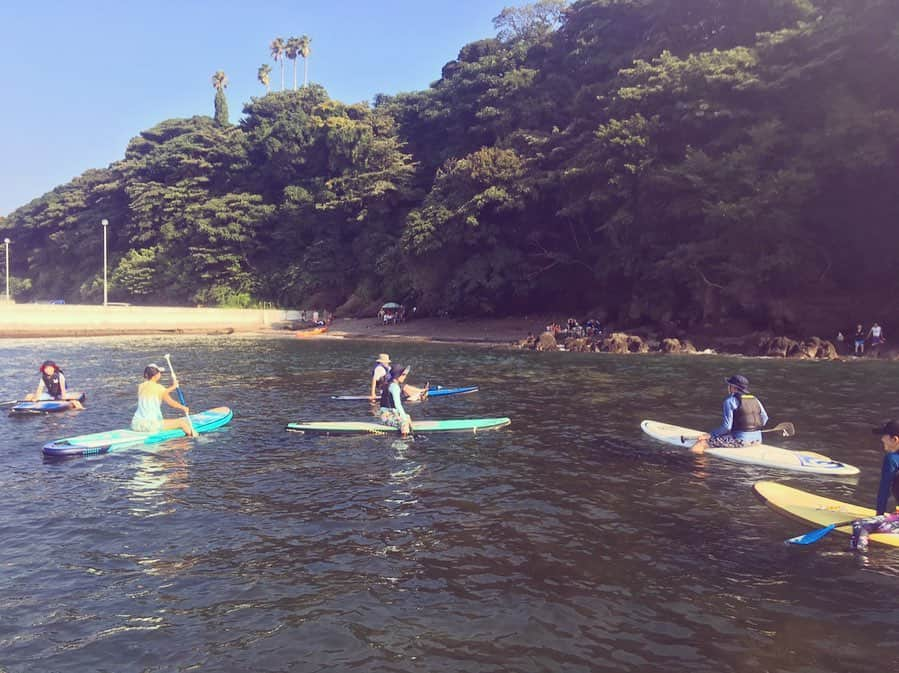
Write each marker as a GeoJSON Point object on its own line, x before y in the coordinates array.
{"type": "Point", "coordinates": [380, 376]}
{"type": "Point", "coordinates": [743, 419]}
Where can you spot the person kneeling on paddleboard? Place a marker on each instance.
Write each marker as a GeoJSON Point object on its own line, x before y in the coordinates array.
{"type": "Point", "coordinates": [743, 419]}
{"type": "Point", "coordinates": [392, 412]}
{"type": "Point", "coordinates": [889, 483]}
{"type": "Point", "coordinates": [150, 396]}
{"type": "Point", "coordinates": [54, 382]}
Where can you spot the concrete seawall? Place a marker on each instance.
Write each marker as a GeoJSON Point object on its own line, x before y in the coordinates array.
{"type": "Point", "coordinates": [49, 320]}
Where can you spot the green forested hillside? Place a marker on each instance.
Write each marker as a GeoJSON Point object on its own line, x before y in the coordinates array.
{"type": "Point", "coordinates": [668, 161]}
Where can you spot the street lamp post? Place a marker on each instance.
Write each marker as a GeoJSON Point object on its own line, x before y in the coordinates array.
{"type": "Point", "coordinates": [105, 224]}
{"type": "Point", "coordinates": [7, 242]}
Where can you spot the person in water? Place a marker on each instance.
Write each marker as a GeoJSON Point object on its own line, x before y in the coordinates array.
{"type": "Point", "coordinates": [380, 376]}
{"type": "Point", "coordinates": [150, 396]}
{"type": "Point", "coordinates": [889, 484]}
{"type": "Point", "coordinates": [743, 419]}
{"type": "Point", "coordinates": [53, 381]}
{"type": "Point", "coordinates": [392, 412]}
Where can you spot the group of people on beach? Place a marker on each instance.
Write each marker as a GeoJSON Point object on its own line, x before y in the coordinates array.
{"type": "Point", "coordinates": [874, 337]}
{"type": "Point", "coordinates": [743, 420]}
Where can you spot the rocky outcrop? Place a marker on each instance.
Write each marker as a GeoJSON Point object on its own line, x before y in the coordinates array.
{"type": "Point", "coordinates": [812, 348]}
{"type": "Point", "coordinates": [676, 346]}
{"type": "Point", "coordinates": [546, 342]}
{"type": "Point", "coordinates": [582, 345]}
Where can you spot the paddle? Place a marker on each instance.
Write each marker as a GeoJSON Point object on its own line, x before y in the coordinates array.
{"type": "Point", "coordinates": [816, 535]}
{"type": "Point", "coordinates": [180, 394]}
{"type": "Point", "coordinates": [786, 429]}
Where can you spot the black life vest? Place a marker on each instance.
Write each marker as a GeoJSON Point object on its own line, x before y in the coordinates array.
{"type": "Point", "coordinates": [747, 416]}
{"type": "Point", "coordinates": [387, 398]}
{"type": "Point", "coordinates": [52, 384]}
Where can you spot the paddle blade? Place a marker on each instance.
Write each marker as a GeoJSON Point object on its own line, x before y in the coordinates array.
{"type": "Point", "coordinates": [788, 429]}
{"type": "Point", "coordinates": [812, 537]}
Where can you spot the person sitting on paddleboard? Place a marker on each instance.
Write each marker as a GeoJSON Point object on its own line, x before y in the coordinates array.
{"type": "Point", "coordinates": [392, 412]}
{"type": "Point", "coordinates": [54, 382]}
{"type": "Point", "coordinates": [889, 483]}
{"type": "Point", "coordinates": [743, 419]}
{"type": "Point", "coordinates": [150, 396]}
{"type": "Point", "coordinates": [380, 376]}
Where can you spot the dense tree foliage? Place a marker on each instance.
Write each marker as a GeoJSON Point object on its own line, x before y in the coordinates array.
{"type": "Point", "coordinates": [673, 161]}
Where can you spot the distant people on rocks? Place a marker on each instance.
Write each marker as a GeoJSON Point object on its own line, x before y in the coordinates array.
{"type": "Point", "coordinates": [841, 341]}
{"type": "Point", "coordinates": [859, 341]}
{"type": "Point", "coordinates": [875, 335]}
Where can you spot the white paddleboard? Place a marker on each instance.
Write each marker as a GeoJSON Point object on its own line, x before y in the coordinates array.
{"type": "Point", "coordinates": [755, 454]}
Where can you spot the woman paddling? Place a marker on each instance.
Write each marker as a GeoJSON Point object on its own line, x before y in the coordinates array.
{"type": "Point", "coordinates": [150, 396]}
{"type": "Point", "coordinates": [889, 483]}
{"type": "Point", "coordinates": [53, 381]}
{"type": "Point", "coordinates": [392, 412]}
{"type": "Point", "coordinates": [743, 418]}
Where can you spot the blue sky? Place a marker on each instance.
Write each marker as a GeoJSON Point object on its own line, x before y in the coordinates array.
{"type": "Point", "coordinates": [79, 79]}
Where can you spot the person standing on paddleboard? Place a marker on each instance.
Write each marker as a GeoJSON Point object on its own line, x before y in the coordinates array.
{"type": "Point", "coordinates": [889, 483]}
{"type": "Point", "coordinates": [392, 412]}
{"type": "Point", "coordinates": [743, 419]}
{"type": "Point", "coordinates": [150, 396]}
{"type": "Point", "coordinates": [54, 382]}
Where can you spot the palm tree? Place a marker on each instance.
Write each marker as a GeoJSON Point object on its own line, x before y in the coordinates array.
{"type": "Point", "coordinates": [305, 49]}
{"type": "Point", "coordinates": [277, 48]}
{"type": "Point", "coordinates": [219, 80]}
{"type": "Point", "coordinates": [292, 51]}
{"type": "Point", "coordinates": [263, 75]}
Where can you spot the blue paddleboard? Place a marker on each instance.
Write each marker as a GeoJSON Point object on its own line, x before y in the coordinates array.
{"type": "Point", "coordinates": [432, 392]}
{"type": "Point", "coordinates": [104, 442]}
{"type": "Point", "coordinates": [46, 405]}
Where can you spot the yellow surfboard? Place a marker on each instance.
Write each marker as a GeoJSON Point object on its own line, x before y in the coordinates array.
{"type": "Point", "coordinates": [816, 510]}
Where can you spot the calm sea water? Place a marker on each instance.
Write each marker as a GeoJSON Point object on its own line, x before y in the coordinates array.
{"type": "Point", "coordinates": [566, 542]}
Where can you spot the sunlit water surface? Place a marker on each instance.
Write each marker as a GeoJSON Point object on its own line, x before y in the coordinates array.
{"type": "Point", "coordinates": [568, 541]}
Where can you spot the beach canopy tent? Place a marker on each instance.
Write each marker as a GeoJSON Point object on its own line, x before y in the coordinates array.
{"type": "Point", "coordinates": [391, 304]}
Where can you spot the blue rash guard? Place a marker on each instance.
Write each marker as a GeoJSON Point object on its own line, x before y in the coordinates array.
{"type": "Point", "coordinates": [888, 481]}
{"type": "Point", "coordinates": [731, 404]}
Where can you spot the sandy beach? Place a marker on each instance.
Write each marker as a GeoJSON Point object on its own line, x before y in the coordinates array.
{"type": "Point", "coordinates": [480, 330]}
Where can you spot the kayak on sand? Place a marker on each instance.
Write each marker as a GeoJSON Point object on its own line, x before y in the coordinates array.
{"type": "Point", "coordinates": [817, 510]}
{"type": "Point", "coordinates": [104, 442]}
{"type": "Point", "coordinates": [473, 425]}
{"type": "Point", "coordinates": [762, 455]}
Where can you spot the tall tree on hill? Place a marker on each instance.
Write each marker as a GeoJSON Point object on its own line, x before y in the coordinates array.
{"type": "Point", "coordinates": [305, 49]}
{"type": "Point", "coordinates": [277, 48]}
{"type": "Point", "coordinates": [219, 82]}
{"type": "Point", "coordinates": [293, 51]}
{"type": "Point", "coordinates": [264, 76]}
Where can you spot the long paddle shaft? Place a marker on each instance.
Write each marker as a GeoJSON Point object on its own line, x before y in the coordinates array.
{"type": "Point", "coordinates": [786, 430]}
{"type": "Point", "coordinates": [168, 361]}
{"type": "Point", "coordinates": [816, 535]}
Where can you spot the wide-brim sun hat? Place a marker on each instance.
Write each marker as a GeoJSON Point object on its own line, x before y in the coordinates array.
{"type": "Point", "coordinates": [383, 358]}
{"type": "Point", "coordinates": [739, 382]}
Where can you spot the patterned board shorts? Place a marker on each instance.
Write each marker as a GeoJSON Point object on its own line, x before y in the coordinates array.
{"type": "Point", "coordinates": [391, 418]}
{"type": "Point", "coordinates": [885, 523]}
{"type": "Point", "coordinates": [727, 442]}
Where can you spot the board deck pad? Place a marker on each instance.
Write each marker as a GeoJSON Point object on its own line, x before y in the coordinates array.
{"type": "Point", "coordinates": [763, 455]}
{"type": "Point", "coordinates": [104, 442]}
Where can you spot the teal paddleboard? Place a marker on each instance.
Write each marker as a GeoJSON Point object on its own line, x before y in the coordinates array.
{"type": "Point", "coordinates": [104, 442]}
{"type": "Point", "coordinates": [418, 427]}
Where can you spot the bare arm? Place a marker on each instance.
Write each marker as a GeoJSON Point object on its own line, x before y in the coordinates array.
{"type": "Point", "coordinates": [174, 404]}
